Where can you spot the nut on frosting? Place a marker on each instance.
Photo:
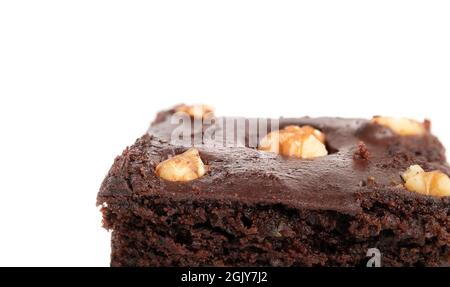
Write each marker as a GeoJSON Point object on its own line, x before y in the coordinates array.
{"type": "Point", "coordinates": [183, 167]}
{"type": "Point", "coordinates": [302, 142]}
{"type": "Point", "coordinates": [196, 111]}
{"type": "Point", "coordinates": [434, 183]}
{"type": "Point", "coordinates": [401, 126]}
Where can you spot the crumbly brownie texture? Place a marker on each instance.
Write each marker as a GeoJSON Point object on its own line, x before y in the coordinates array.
{"type": "Point", "coordinates": [255, 208]}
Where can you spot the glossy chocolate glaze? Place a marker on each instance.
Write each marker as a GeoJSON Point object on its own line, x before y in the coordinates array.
{"type": "Point", "coordinates": [363, 156]}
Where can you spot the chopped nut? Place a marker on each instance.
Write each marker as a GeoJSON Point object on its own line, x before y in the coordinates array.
{"type": "Point", "coordinates": [271, 142]}
{"type": "Point", "coordinates": [401, 126]}
{"type": "Point", "coordinates": [301, 142]}
{"type": "Point", "coordinates": [196, 111]}
{"type": "Point", "coordinates": [412, 171]}
{"type": "Point", "coordinates": [306, 130]}
{"type": "Point", "coordinates": [183, 167]}
{"type": "Point", "coordinates": [435, 183]}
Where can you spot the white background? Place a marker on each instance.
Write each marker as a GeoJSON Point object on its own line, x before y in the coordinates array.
{"type": "Point", "coordinates": [81, 80]}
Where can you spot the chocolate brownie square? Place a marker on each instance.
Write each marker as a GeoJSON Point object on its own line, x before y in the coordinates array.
{"type": "Point", "coordinates": [200, 190]}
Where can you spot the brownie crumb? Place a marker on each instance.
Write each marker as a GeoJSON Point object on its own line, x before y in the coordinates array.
{"type": "Point", "coordinates": [362, 152]}
{"type": "Point", "coordinates": [427, 124]}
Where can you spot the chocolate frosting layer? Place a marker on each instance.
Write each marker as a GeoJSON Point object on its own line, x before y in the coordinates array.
{"type": "Point", "coordinates": [362, 157]}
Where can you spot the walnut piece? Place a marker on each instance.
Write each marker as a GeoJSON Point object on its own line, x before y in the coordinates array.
{"type": "Point", "coordinates": [183, 167]}
{"type": "Point", "coordinates": [435, 183]}
{"type": "Point", "coordinates": [196, 111]}
{"type": "Point", "coordinates": [302, 142]}
{"type": "Point", "coordinates": [401, 126]}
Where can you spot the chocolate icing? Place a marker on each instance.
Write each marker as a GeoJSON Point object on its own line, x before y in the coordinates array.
{"type": "Point", "coordinates": [248, 175]}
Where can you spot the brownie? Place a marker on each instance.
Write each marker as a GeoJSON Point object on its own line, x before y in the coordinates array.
{"type": "Point", "coordinates": [255, 208]}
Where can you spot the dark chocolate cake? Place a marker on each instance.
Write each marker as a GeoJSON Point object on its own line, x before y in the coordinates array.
{"type": "Point", "coordinates": [325, 193]}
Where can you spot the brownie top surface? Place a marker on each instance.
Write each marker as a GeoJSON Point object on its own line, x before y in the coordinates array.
{"type": "Point", "coordinates": [362, 157]}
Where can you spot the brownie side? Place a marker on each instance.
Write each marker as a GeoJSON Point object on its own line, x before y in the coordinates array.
{"type": "Point", "coordinates": [163, 232]}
